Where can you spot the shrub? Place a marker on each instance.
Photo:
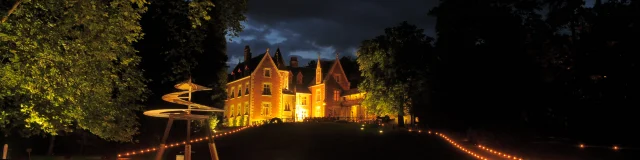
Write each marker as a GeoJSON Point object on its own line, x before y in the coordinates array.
{"type": "Point", "coordinates": [275, 120]}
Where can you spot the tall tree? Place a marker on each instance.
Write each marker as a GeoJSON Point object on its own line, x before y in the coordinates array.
{"type": "Point", "coordinates": [69, 65]}
{"type": "Point", "coordinates": [195, 47]}
{"type": "Point", "coordinates": [394, 69]}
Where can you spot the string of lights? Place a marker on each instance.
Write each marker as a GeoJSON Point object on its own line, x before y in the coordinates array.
{"type": "Point", "coordinates": [177, 144]}
{"type": "Point", "coordinates": [498, 153]}
{"type": "Point", "coordinates": [468, 151]}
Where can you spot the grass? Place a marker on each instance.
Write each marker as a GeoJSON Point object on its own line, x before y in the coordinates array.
{"type": "Point", "coordinates": [310, 141]}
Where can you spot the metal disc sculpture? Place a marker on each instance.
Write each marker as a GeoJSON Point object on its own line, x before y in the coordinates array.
{"type": "Point", "coordinates": [184, 98]}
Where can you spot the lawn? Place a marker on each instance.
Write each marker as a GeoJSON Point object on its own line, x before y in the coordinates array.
{"type": "Point", "coordinates": [309, 141]}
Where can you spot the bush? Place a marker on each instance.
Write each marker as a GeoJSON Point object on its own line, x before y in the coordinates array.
{"type": "Point", "coordinates": [275, 120]}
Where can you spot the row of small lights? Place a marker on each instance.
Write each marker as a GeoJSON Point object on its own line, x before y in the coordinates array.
{"type": "Point", "coordinates": [469, 151]}
{"type": "Point", "coordinates": [582, 146]}
{"type": "Point", "coordinates": [183, 142]}
{"type": "Point", "coordinates": [458, 145]}
{"type": "Point", "coordinates": [497, 153]}
{"type": "Point", "coordinates": [465, 149]}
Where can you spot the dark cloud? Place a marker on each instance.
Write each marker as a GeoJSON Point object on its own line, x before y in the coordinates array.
{"type": "Point", "coordinates": [304, 28]}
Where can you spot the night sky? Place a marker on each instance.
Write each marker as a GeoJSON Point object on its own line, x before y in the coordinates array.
{"type": "Point", "coordinates": [304, 28]}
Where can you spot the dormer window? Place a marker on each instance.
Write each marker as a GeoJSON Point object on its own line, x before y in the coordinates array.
{"type": "Point", "coordinates": [337, 77]}
{"type": "Point", "coordinates": [267, 72]}
{"type": "Point", "coordinates": [318, 76]}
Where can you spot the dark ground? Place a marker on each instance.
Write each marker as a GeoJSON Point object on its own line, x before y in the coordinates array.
{"type": "Point", "coordinates": [322, 141]}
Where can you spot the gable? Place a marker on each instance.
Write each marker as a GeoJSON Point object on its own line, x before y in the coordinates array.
{"type": "Point", "coordinates": [336, 68]}
{"type": "Point", "coordinates": [266, 59]}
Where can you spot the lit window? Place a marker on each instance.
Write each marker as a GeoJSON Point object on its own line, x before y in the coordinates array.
{"type": "Point", "coordinates": [246, 89]}
{"type": "Point", "coordinates": [267, 72]}
{"type": "Point", "coordinates": [232, 91]}
{"type": "Point", "coordinates": [266, 109]}
{"type": "Point", "coordinates": [304, 100]}
{"type": "Point", "coordinates": [318, 76]}
{"type": "Point", "coordinates": [318, 95]}
{"type": "Point", "coordinates": [231, 111]}
{"type": "Point", "coordinates": [246, 108]}
{"type": "Point", "coordinates": [286, 107]}
{"type": "Point", "coordinates": [266, 90]}
{"type": "Point", "coordinates": [336, 95]}
{"type": "Point", "coordinates": [238, 108]}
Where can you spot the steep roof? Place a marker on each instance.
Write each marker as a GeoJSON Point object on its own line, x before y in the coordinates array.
{"type": "Point", "coordinates": [240, 71]}
{"type": "Point", "coordinates": [278, 60]}
{"type": "Point", "coordinates": [325, 66]}
{"type": "Point", "coordinates": [308, 75]}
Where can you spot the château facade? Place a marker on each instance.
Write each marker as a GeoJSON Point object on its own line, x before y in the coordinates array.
{"type": "Point", "coordinates": [262, 87]}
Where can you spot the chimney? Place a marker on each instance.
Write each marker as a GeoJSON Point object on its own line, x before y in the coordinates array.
{"type": "Point", "coordinates": [247, 54]}
{"type": "Point", "coordinates": [294, 62]}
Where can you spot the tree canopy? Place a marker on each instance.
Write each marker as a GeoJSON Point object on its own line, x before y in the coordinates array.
{"type": "Point", "coordinates": [551, 65]}
{"type": "Point", "coordinates": [394, 69]}
{"type": "Point", "coordinates": [195, 50]}
{"type": "Point", "coordinates": [69, 65]}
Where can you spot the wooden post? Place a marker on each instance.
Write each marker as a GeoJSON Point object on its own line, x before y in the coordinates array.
{"type": "Point", "coordinates": [213, 151]}
{"type": "Point", "coordinates": [187, 147]}
{"type": "Point", "coordinates": [164, 139]}
{"type": "Point", "coordinates": [4, 151]}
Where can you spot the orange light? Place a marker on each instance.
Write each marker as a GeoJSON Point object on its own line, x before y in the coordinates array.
{"type": "Point", "coordinates": [615, 147]}
{"type": "Point", "coordinates": [119, 155]}
{"type": "Point", "coordinates": [581, 145]}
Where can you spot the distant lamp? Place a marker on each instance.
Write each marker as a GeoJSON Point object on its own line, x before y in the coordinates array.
{"type": "Point", "coordinates": [615, 148]}
{"type": "Point", "coordinates": [361, 128]}
{"type": "Point", "coordinates": [581, 145]}
{"type": "Point", "coordinates": [380, 131]}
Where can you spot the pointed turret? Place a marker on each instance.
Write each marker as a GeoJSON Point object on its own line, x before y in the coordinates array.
{"type": "Point", "coordinates": [277, 58]}
{"type": "Point", "coordinates": [318, 71]}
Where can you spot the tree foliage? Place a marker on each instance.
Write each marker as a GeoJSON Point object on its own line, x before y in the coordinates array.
{"type": "Point", "coordinates": [68, 65]}
{"type": "Point", "coordinates": [550, 64]}
{"type": "Point", "coordinates": [195, 47]}
{"type": "Point", "coordinates": [394, 69]}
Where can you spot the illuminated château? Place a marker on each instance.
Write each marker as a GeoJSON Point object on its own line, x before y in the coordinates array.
{"type": "Point", "coordinates": [263, 87]}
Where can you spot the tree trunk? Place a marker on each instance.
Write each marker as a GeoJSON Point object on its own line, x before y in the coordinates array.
{"type": "Point", "coordinates": [401, 117]}
{"type": "Point", "coordinates": [52, 140]}
{"type": "Point", "coordinates": [83, 143]}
